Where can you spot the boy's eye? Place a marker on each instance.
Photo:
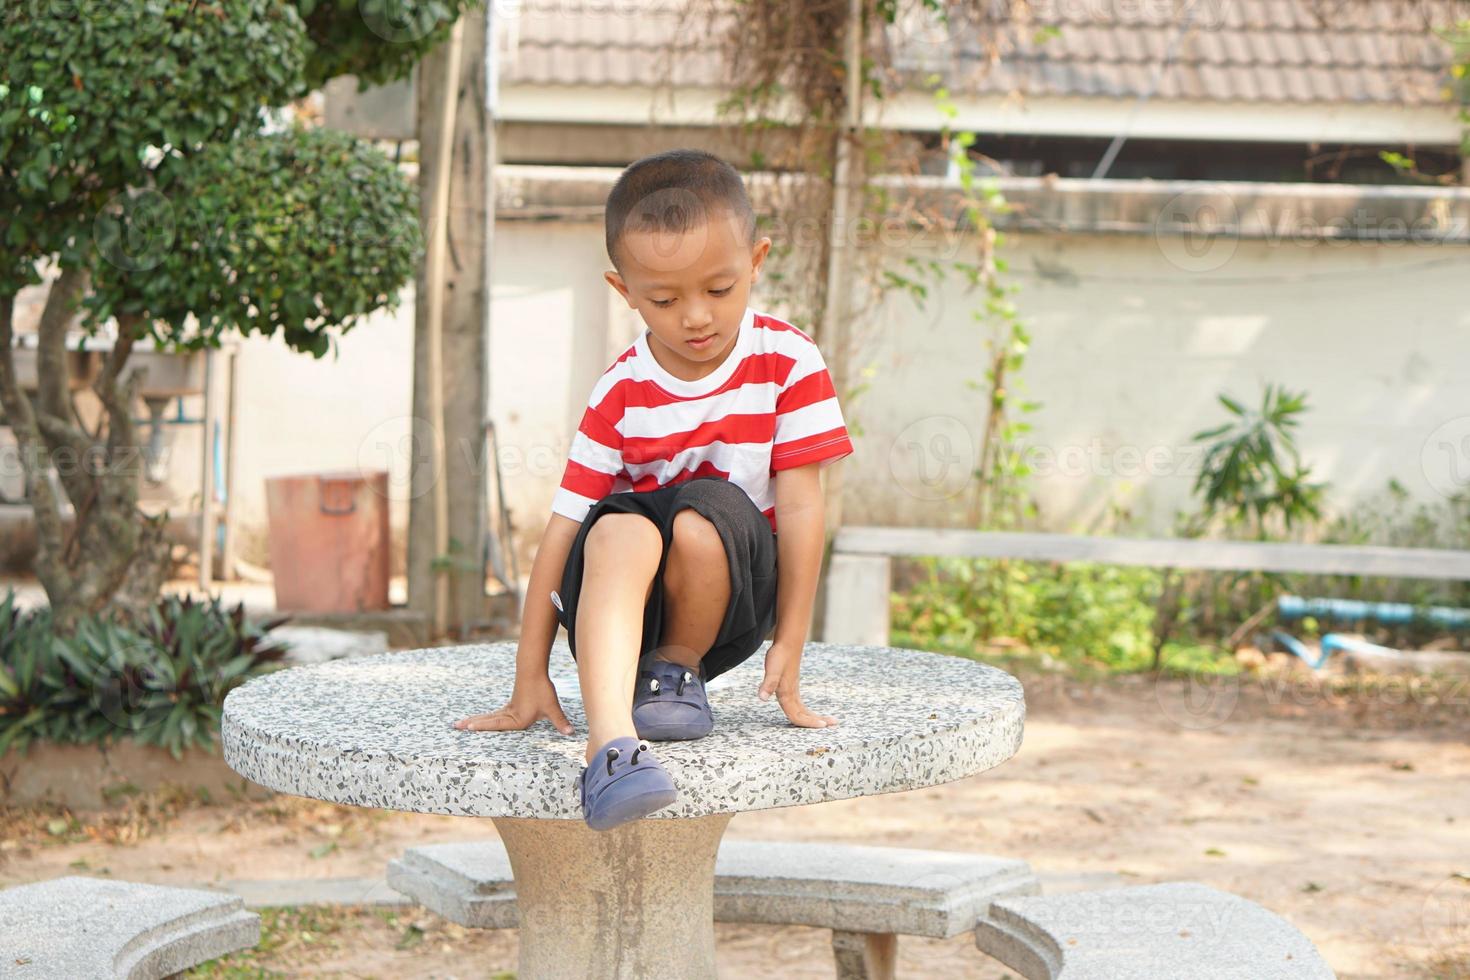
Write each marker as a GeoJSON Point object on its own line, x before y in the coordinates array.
{"type": "Point", "coordinates": [721, 292]}
{"type": "Point", "coordinates": [661, 303]}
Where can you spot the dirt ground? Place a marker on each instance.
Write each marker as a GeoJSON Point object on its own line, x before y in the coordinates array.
{"type": "Point", "coordinates": [1347, 813]}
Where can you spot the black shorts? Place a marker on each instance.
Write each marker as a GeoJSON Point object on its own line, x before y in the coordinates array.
{"type": "Point", "coordinates": [750, 546]}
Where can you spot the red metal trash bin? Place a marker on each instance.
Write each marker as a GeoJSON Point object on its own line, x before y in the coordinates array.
{"type": "Point", "coordinates": [329, 540]}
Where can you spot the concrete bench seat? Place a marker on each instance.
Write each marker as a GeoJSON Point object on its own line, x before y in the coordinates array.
{"type": "Point", "coordinates": [1179, 929]}
{"type": "Point", "coordinates": [86, 928]}
{"type": "Point", "coordinates": [867, 896]}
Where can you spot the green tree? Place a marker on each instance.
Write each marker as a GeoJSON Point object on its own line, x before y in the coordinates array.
{"type": "Point", "coordinates": [377, 40]}
{"type": "Point", "coordinates": [133, 158]}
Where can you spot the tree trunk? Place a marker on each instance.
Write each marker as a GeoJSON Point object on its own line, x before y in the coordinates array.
{"type": "Point", "coordinates": [114, 559]}
{"type": "Point", "coordinates": [145, 577]}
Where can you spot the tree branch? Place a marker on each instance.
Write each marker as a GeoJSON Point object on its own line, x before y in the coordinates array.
{"type": "Point", "coordinates": [119, 400]}
{"type": "Point", "coordinates": [53, 384]}
{"type": "Point", "coordinates": [71, 466]}
{"type": "Point", "coordinates": [34, 462]}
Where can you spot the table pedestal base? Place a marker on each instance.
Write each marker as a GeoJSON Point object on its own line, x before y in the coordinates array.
{"type": "Point", "coordinates": [632, 903]}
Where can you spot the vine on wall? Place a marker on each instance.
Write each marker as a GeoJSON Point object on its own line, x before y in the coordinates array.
{"type": "Point", "coordinates": [786, 78]}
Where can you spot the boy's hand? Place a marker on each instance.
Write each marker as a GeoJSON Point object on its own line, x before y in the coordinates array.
{"type": "Point", "coordinates": [530, 701]}
{"type": "Point", "coordinates": [783, 668]}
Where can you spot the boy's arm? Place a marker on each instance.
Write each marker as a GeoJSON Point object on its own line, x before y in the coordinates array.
{"type": "Point", "coordinates": [538, 615]}
{"type": "Point", "coordinates": [801, 523]}
{"type": "Point", "coordinates": [533, 696]}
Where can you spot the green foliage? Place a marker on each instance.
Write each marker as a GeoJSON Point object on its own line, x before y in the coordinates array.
{"type": "Point", "coordinates": [1079, 612]}
{"type": "Point", "coordinates": [377, 40]}
{"type": "Point", "coordinates": [1456, 92]}
{"type": "Point", "coordinates": [38, 691]}
{"type": "Point", "coordinates": [129, 143]}
{"type": "Point", "coordinates": [160, 684]}
{"type": "Point", "coordinates": [304, 231]}
{"type": "Point", "coordinates": [1459, 89]}
{"type": "Point", "coordinates": [29, 119]}
{"type": "Point", "coordinates": [1252, 483]}
{"type": "Point", "coordinates": [1401, 164]}
{"type": "Point", "coordinates": [90, 88]}
{"type": "Point", "coordinates": [1392, 518]}
{"type": "Point", "coordinates": [1002, 470]}
{"type": "Point", "coordinates": [1252, 476]}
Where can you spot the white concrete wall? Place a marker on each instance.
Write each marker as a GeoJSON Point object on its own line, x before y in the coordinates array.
{"type": "Point", "coordinates": [549, 343]}
{"type": "Point", "coordinates": [1133, 340]}
{"type": "Point", "coordinates": [1130, 348]}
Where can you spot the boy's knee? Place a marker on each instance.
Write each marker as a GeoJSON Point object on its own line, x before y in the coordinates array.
{"type": "Point", "coordinates": [624, 535]}
{"type": "Point", "coordinates": [695, 537]}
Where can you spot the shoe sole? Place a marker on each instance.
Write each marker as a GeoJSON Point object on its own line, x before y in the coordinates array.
{"type": "Point", "coordinates": [673, 733]}
{"type": "Point", "coordinates": [631, 808]}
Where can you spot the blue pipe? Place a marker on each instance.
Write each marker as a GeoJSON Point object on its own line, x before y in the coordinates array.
{"type": "Point", "coordinates": [1301, 650]}
{"type": "Point", "coordinates": [1295, 607]}
{"type": "Point", "coordinates": [1336, 641]}
{"type": "Point", "coordinates": [1331, 642]}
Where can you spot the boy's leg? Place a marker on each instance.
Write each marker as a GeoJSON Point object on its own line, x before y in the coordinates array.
{"type": "Point", "coordinates": [745, 565]}
{"type": "Point", "coordinates": [696, 584]}
{"type": "Point", "coordinates": [620, 558]}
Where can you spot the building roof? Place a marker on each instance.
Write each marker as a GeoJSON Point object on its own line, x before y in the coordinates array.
{"type": "Point", "coordinates": [607, 42]}
{"type": "Point", "coordinates": [1276, 51]}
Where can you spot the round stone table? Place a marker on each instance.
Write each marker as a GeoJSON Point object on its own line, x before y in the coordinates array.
{"type": "Point", "coordinates": [637, 900]}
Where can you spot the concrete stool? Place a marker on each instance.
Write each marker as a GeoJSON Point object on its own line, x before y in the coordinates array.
{"type": "Point", "coordinates": [100, 929]}
{"type": "Point", "coordinates": [867, 896]}
{"type": "Point", "coordinates": [1179, 929]}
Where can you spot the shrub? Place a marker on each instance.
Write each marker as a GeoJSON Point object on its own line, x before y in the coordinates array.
{"type": "Point", "coordinates": [1079, 612]}
{"type": "Point", "coordinates": [162, 683]}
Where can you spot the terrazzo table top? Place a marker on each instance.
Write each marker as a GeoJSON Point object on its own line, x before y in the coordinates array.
{"type": "Point", "coordinates": [376, 731]}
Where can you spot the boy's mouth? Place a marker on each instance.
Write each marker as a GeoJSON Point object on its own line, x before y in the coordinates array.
{"type": "Point", "coordinates": [701, 343]}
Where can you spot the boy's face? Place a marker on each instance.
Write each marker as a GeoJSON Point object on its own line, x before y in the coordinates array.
{"type": "Point", "coordinates": [691, 290]}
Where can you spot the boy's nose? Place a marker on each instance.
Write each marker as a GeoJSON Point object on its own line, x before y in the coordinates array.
{"type": "Point", "coordinates": [698, 318]}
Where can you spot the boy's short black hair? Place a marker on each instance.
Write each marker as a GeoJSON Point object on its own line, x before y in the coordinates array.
{"type": "Point", "coordinates": [674, 191]}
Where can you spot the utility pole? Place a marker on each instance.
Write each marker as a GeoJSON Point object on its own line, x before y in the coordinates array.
{"type": "Point", "coordinates": [446, 566]}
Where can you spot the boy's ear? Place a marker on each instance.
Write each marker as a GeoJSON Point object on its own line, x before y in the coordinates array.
{"type": "Point", "coordinates": [758, 258]}
{"type": "Point", "coordinates": [616, 281]}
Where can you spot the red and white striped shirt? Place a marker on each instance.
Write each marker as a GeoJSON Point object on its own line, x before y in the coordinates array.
{"type": "Point", "coordinates": [769, 406]}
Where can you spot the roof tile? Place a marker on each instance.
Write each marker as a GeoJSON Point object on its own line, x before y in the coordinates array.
{"type": "Point", "coordinates": [1298, 87]}
{"type": "Point", "coordinates": [1310, 51]}
{"type": "Point", "coordinates": [1315, 50]}
{"type": "Point", "coordinates": [1289, 49]}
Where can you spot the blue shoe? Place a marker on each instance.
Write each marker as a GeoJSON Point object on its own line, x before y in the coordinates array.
{"type": "Point", "coordinates": [624, 782]}
{"type": "Point", "coordinates": [670, 703]}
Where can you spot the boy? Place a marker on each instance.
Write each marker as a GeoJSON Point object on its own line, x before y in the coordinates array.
{"type": "Point", "coordinates": [692, 479]}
